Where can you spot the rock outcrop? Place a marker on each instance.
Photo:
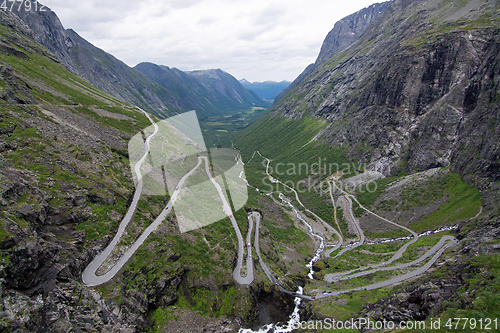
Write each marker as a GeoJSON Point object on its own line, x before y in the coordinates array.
{"type": "Point", "coordinates": [411, 94]}
{"type": "Point", "coordinates": [345, 32]}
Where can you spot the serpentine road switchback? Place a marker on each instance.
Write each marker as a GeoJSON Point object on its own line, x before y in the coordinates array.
{"type": "Point", "coordinates": [89, 276]}
{"type": "Point", "coordinates": [444, 243]}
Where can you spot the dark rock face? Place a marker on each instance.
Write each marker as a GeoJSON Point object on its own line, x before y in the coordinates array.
{"type": "Point", "coordinates": [344, 33]}
{"type": "Point", "coordinates": [271, 305]}
{"type": "Point", "coordinates": [41, 288]}
{"type": "Point", "coordinates": [408, 95]}
{"type": "Point", "coordinates": [416, 302]}
{"type": "Point", "coordinates": [48, 31]}
{"type": "Point", "coordinates": [17, 92]}
{"type": "Point", "coordinates": [348, 30]}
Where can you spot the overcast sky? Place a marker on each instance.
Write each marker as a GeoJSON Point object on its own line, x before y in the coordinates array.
{"type": "Point", "coordinates": [258, 40]}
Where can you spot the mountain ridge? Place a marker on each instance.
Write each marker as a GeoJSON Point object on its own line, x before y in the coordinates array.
{"type": "Point", "coordinates": [418, 91]}
{"type": "Point", "coordinates": [65, 184]}
{"type": "Point", "coordinates": [210, 92]}
{"type": "Point", "coordinates": [267, 90]}
{"type": "Point", "coordinates": [110, 74]}
{"type": "Point", "coordinates": [408, 83]}
{"type": "Point", "coordinates": [344, 33]}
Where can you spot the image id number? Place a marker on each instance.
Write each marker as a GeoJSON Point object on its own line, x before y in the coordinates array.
{"type": "Point", "coordinates": [19, 5]}
{"type": "Point", "coordinates": [472, 323]}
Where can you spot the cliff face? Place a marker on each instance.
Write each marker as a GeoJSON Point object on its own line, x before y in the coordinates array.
{"type": "Point", "coordinates": [46, 29]}
{"type": "Point", "coordinates": [348, 30]}
{"type": "Point", "coordinates": [418, 90]}
{"type": "Point", "coordinates": [344, 33]}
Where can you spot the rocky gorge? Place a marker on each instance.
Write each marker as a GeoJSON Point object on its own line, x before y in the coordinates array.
{"type": "Point", "coordinates": [403, 86]}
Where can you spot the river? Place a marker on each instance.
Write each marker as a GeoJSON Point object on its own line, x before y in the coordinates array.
{"type": "Point", "coordinates": [294, 318]}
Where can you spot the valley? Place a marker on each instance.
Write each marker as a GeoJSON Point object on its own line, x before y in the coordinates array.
{"type": "Point", "coordinates": [218, 130]}
{"type": "Point", "coordinates": [369, 189]}
{"type": "Point", "coordinates": [356, 284]}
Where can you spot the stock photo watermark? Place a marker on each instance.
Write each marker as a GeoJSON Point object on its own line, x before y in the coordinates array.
{"type": "Point", "coordinates": [369, 324]}
{"type": "Point", "coordinates": [25, 5]}
{"type": "Point", "coordinates": [362, 181]}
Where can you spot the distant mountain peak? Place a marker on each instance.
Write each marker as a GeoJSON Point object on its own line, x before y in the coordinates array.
{"type": "Point", "coordinates": [222, 91]}
{"type": "Point", "coordinates": [345, 32]}
{"type": "Point", "coordinates": [267, 90]}
{"type": "Point", "coordinates": [178, 91]}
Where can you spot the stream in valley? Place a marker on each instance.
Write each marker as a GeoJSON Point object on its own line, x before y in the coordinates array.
{"type": "Point", "coordinates": [294, 318]}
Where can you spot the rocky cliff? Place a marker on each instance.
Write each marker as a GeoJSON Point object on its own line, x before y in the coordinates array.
{"type": "Point", "coordinates": [417, 90]}
{"type": "Point", "coordinates": [348, 30]}
{"type": "Point", "coordinates": [343, 34]}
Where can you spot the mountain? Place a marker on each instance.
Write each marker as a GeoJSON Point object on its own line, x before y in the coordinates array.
{"type": "Point", "coordinates": [111, 75]}
{"type": "Point", "coordinates": [96, 66]}
{"type": "Point", "coordinates": [211, 92]}
{"type": "Point", "coordinates": [267, 90]}
{"type": "Point", "coordinates": [226, 85]}
{"type": "Point", "coordinates": [65, 185]}
{"type": "Point", "coordinates": [63, 160]}
{"type": "Point", "coordinates": [343, 34]}
{"type": "Point", "coordinates": [373, 185]}
{"type": "Point", "coordinates": [414, 100]}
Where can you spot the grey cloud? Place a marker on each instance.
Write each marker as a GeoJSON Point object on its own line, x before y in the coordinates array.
{"type": "Point", "coordinates": [259, 39]}
{"type": "Point", "coordinates": [207, 20]}
{"type": "Point", "coordinates": [268, 16]}
{"type": "Point", "coordinates": [179, 4]}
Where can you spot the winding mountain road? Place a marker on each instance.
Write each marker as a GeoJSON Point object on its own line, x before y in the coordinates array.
{"type": "Point", "coordinates": [267, 271]}
{"type": "Point", "coordinates": [375, 268]}
{"type": "Point", "coordinates": [444, 243]}
{"type": "Point", "coordinates": [361, 234]}
{"type": "Point", "coordinates": [327, 225]}
{"type": "Point", "coordinates": [89, 276]}
{"type": "Point", "coordinates": [441, 246]}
